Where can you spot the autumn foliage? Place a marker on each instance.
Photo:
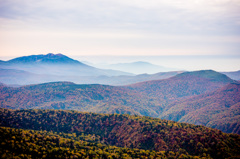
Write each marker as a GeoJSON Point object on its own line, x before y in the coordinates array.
{"type": "Point", "coordinates": [129, 131]}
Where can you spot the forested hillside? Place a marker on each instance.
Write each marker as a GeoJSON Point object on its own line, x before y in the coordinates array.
{"type": "Point", "coordinates": [18, 143]}
{"type": "Point", "coordinates": [218, 109]}
{"type": "Point", "coordinates": [70, 96]}
{"type": "Point", "coordinates": [182, 85]}
{"type": "Point", "coordinates": [129, 131]}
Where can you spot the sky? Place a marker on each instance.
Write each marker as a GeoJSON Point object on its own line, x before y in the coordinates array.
{"type": "Point", "coordinates": [120, 27]}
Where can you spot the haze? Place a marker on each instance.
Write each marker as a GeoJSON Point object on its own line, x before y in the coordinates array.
{"type": "Point", "coordinates": [125, 28]}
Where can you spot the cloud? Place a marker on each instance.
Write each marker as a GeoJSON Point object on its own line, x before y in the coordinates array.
{"type": "Point", "coordinates": [121, 25]}
{"type": "Point", "coordinates": [135, 13]}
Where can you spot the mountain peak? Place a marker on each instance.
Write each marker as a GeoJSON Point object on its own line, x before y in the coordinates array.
{"type": "Point", "coordinates": [50, 54]}
{"type": "Point", "coordinates": [49, 58]}
{"type": "Point", "coordinates": [55, 55]}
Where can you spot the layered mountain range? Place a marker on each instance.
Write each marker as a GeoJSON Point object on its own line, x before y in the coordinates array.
{"type": "Point", "coordinates": [42, 118]}
{"type": "Point", "coordinates": [55, 64]}
{"type": "Point", "coordinates": [38, 69]}
{"type": "Point", "coordinates": [184, 97]}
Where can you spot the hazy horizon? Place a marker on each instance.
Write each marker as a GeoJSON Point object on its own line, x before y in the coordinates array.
{"type": "Point", "coordinates": [123, 28]}
{"type": "Point", "coordinates": [185, 34]}
{"type": "Point", "coordinates": [184, 62]}
{"type": "Point", "coordinates": [188, 63]}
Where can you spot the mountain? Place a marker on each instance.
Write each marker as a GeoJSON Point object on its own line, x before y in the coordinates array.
{"type": "Point", "coordinates": [182, 85]}
{"type": "Point", "coordinates": [56, 64]}
{"type": "Point", "coordinates": [234, 75]}
{"type": "Point", "coordinates": [167, 139]}
{"type": "Point", "coordinates": [20, 77]}
{"type": "Point", "coordinates": [218, 109]}
{"type": "Point", "coordinates": [45, 59]}
{"type": "Point", "coordinates": [139, 67]}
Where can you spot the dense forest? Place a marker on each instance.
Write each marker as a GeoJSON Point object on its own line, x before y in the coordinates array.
{"type": "Point", "coordinates": [136, 133]}
{"type": "Point", "coordinates": [18, 143]}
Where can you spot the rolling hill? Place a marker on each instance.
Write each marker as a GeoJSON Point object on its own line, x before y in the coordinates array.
{"type": "Point", "coordinates": [168, 137]}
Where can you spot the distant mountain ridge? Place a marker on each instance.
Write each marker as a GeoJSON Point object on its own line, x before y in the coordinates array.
{"type": "Point", "coordinates": [234, 75]}
{"type": "Point", "coordinates": [20, 77]}
{"type": "Point", "coordinates": [56, 64]}
{"type": "Point", "coordinates": [139, 67]}
{"type": "Point", "coordinates": [58, 67]}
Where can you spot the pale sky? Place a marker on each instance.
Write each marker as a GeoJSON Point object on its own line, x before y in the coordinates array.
{"type": "Point", "coordinates": [119, 27]}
